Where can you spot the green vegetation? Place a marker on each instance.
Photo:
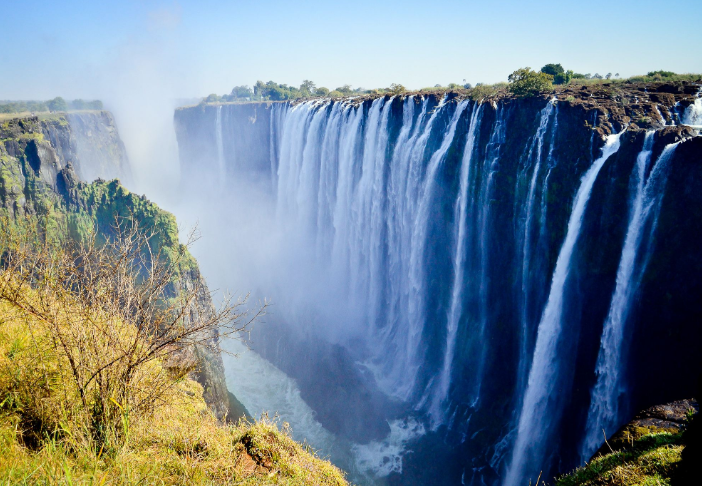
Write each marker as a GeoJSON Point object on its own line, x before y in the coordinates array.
{"type": "Point", "coordinates": [560, 76]}
{"type": "Point", "coordinates": [272, 91]}
{"type": "Point", "coordinates": [104, 321]}
{"type": "Point", "coordinates": [650, 460]}
{"type": "Point", "coordinates": [483, 91]}
{"type": "Point", "coordinates": [54, 105]}
{"type": "Point", "coordinates": [94, 391]}
{"type": "Point", "coordinates": [396, 89]}
{"type": "Point", "coordinates": [525, 82]}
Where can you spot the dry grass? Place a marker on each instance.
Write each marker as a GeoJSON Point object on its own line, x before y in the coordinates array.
{"type": "Point", "coordinates": [45, 433]}
{"type": "Point", "coordinates": [95, 377]}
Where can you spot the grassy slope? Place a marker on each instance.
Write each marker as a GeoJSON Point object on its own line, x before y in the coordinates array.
{"type": "Point", "coordinates": [42, 431]}
{"type": "Point", "coordinates": [651, 460]}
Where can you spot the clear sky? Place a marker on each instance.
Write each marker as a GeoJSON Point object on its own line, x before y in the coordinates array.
{"type": "Point", "coordinates": [141, 56]}
{"type": "Point", "coordinates": [192, 48]}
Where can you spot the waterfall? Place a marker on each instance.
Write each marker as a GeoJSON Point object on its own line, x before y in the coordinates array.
{"type": "Point", "coordinates": [538, 416]}
{"type": "Point", "coordinates": [525, 232]}
{"type": "Point", "coordinates": [420, 237]}
{"type": "Point", "coordinates": [396, 366]}
{"type": "Point", "coordinates": [220, 145]}
{"type": "Point", "coordinates": [693, 113]}
{"type": "Point", "coordinates": [606, 403]}
{"type": "Point", "coordinates": [439, 253]}
{"type": "Point", "coordinates": [440, 394]}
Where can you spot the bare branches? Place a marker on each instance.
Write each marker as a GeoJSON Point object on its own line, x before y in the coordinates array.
{"type": "Point", "coordinates": [116, 308]}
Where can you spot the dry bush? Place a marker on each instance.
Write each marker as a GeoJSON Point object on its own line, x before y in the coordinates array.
{"type": "Point", "coordinates": [108, 313]}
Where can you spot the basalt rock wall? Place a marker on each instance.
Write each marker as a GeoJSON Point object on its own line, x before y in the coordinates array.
{"type": "Point", "coordinates": [525, 266]}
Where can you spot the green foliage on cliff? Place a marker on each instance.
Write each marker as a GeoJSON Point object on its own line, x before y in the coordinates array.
{"type": "Point", "coordinates": [525, 82]}
{"type": "Point", "coordinates": [651, 460]}
{"type": "Point", "coordinates": [75, 208]}
{"type": "Point", "coordinates": [99, 203]}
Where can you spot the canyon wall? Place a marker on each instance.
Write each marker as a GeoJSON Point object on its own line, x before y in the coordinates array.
{"type": "Point", "coordinates": [514, 275]}
{"type": "Point", "coordinates": [42, 160]}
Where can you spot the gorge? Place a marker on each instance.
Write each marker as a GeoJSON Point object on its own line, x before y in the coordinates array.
{"type": "Point", "coordinates": [465, 291]}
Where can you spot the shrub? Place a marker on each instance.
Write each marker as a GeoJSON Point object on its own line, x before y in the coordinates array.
{"type": "Point", "coordinates": [563, 78]}
{"type": "Point", "coordinates": [108, 312]}
{"type": "Point", "coordinates": [552, 69]}
{"type": "Point", "coordinates": [57, 104]}
{"type": "Point", "coordinates": [482, 91]}
{"type": "Point", "coordinates": [397, 89]}
{"type": "Point", "coordinates": [525, 82]}
{"type": "Point", "coordinates": [162, 432]}
{"type": "Point", "coordinates": [662, 74]}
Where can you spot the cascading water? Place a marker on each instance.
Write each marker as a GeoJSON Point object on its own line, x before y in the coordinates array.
{"type": "Point", "coordinates": [605, 412]}
{"type": "Point", "coordinates": [525, 232]}
{"type": "Point", "coordinates": [221, 164]}
{"type": "Point", "coordinates": [420, 235]}
{"type": "Point", "coordinates": [693, 113]}
{"type": "Point", "coordinates": [440, 392]}
{"type": "Point", "coordinates": [538, 416]}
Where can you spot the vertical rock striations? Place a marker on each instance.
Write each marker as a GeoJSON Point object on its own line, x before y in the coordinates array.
{"type": "Point", "coordinates": [514, 263]}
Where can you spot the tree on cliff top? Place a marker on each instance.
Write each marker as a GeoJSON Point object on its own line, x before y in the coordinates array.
{"type": "Point", "coordinates": [552, 69]}
{"type": "Point", "coordinates": [525, 82]}
{"type": "Point", "coordinates": [57, 104]}
{"type": "Point", "coordinates": [560, 75]}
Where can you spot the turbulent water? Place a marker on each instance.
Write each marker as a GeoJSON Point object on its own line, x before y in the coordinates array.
{"type": "Point", "coordinates": [446, 239]}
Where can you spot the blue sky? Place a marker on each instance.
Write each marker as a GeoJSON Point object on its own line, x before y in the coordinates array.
{"type": "Point", "coordinates": [143, 57]}
{"type": "Point", "coordinates": [188, 48]}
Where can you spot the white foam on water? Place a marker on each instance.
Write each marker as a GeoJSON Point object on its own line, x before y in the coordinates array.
{"type": "Point", "coordinates": [382, 458]}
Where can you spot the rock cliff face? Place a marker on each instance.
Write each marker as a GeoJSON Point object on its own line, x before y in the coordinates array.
{"type": "Point", "coordinates": [39, 180]}
{"type": "Point", "coordinates": [518, 262]}
{"type": "Point", "coordinates": [100, 152]}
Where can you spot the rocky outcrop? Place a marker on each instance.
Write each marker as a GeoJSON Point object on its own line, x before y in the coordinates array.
{"type": "Point", "coordinates": [99, 149]}
{"type": "Point", "coordinates": [39, 181]}
{"type": "Point", "coordinates": [89, 141]}
{"type": "Point", "coordinates": [669, 418]}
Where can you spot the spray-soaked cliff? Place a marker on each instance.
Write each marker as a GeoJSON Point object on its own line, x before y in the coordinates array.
{"type": "Point", "coordinates": [507, 277]}
{"type": "Point", "coordinates": [41, 160]}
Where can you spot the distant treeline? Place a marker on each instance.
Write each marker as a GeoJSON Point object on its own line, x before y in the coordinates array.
{"type": "Point", "coordinates": [272, 91]}
{"type": "Point", "coordinates": [528, 82]}
{"type": "Point", "coordinates": [57, 104]}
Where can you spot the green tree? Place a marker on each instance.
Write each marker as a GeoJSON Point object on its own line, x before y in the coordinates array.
{"type": "Point", "coordinates": [661, 73]}
{"type": "Point", "coordinates": [563, 78]}
{"type": "Point", "coordinates": [397, 89]}
{"type": "Point", "coordinates": [552, 69]}
{"type": "Point", "coordinates": [321, 91]}
{"type": "Point", "coordinates": [345, 89]}
{"type": "Point", "coordinates": [57, 104]}
{"type": "Point", "coordinates": [308, 87]}
{"type": "Point", "coordinates": [525, 82]}
{"type": "Point", "coordinates": [241, 92]}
